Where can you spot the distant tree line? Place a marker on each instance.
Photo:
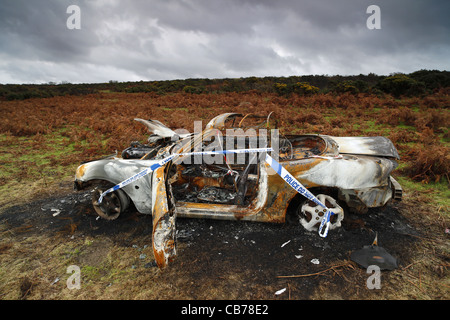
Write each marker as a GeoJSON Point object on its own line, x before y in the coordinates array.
{"type": "Point", "coordinates": [417, 83]}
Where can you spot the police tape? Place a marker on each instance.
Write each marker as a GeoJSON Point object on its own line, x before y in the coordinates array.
{"type": "Point", "coordinates": [162, 162]}
{"type": "Point", "coordinates": [297, 186]}
{"type": "Point", "coordinates": [277, 167]}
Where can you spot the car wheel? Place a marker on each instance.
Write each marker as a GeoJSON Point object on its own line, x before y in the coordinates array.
{"type": "Point", "coordinates": [311, 214]}
{"type": "Point", "coordinates": [113, 203]}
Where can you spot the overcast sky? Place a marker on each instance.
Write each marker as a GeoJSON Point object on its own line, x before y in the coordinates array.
{"type": "Point", "coordinates": [178, 39]}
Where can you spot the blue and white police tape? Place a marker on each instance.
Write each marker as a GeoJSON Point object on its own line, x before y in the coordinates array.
{"type": "Point", "coordinates": [297, 186]}
{"type": "Point", "coordinates": [137, 176]}
{"type": "Point", "coordinates": [279, 169]}
{"type": "Point", "coordinates": [162, 162]}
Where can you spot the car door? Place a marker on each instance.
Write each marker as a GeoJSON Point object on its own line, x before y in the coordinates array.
{"type": "Point", "coordinates": [163, 218]}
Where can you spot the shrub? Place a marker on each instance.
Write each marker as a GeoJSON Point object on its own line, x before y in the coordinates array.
{"type": "Point", "coordinates": [281, 88]}
{"type": "Point", "coordinates": [346, 86]}
{"type": "Point", "coordinates": [193, 90]}
{"type": "Point", "coordinates": [302, 88]}
{"type": "Point", "coordinates": [305, 88]}
{"type": "Point", "coordinates": [400, 84]}
{"type": "Point", "coordinates": [433, 79]}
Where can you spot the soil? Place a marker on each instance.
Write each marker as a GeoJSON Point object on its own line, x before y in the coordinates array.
{"type": "Point", "coordinates": [215, 259]}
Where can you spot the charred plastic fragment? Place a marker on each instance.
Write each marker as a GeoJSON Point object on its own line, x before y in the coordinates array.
{"type": "Point", "coordinates": [373, 255]}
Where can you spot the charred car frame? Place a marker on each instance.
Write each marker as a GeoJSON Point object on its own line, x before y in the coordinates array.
{"type": "Point", "coordinates": [345, 173]}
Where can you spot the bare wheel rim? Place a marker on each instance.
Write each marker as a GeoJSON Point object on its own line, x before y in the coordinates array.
{"type": "Point", "coordinates": [112, 204]}
{"type": "Point", "coordinates": [311, 214]}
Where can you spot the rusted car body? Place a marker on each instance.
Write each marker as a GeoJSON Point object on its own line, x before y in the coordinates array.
{"type": "Point", "coordinates": [349, 172]}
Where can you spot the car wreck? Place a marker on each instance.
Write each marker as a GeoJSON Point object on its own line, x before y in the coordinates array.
{"type": "Point", "coordinates": [224, 171]}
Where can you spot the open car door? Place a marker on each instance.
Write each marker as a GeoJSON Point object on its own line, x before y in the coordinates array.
{"type": "Point", "coordinates": [164, 218]}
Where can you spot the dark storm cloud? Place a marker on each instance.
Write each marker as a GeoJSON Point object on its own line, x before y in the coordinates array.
{"type": "Point", "coordinates": [167, 39]}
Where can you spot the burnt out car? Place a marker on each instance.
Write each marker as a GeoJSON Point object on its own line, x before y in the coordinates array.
{"type": "Point", "coordinates": [221, 172]}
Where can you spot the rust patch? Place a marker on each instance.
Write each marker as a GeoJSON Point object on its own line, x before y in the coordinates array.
{"type": "Point", "coordinates": [80, 171]}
